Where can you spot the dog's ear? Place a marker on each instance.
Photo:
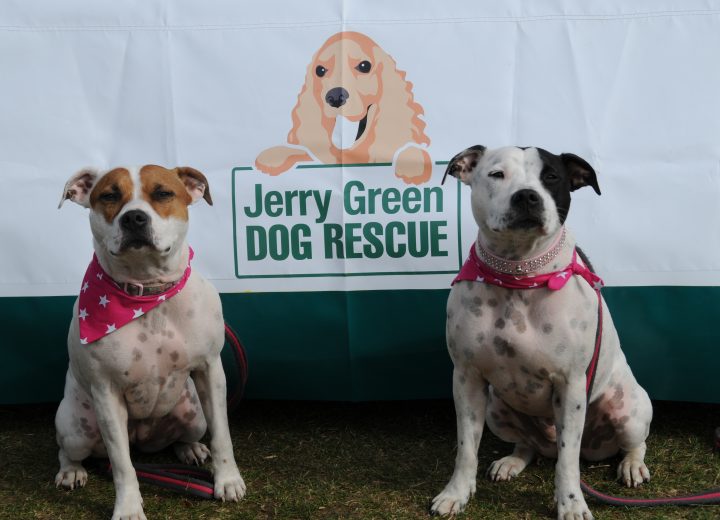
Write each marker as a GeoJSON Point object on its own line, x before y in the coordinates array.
{"type": "Point", "coordinates": [398, 111]}
{"type": "Point", "coordinates": [79, 186]}
{"type": "Point", "coordinates": [195, 183]}
{"type": "Point", "coordinates": [581, 173]}
{"type": "Point", "coordinates": [462, 165]}
{"type": "Point", "coordinates": [307, 116]}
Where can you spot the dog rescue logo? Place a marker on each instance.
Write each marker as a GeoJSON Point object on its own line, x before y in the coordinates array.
{"type": "Point", "coordinates": [355, 107]}
{"type": "Point", "coordinates": [355, 199]}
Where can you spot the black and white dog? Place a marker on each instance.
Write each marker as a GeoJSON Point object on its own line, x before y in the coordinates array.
{"type": "Point", "coordinates": [526, 326]}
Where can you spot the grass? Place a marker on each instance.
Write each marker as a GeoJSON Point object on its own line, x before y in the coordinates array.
{"type": "Point", "coordinates": [308, 460]}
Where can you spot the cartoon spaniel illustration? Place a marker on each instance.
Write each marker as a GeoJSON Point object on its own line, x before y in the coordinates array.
{"type": "Point", "coordinates": [355, 107]}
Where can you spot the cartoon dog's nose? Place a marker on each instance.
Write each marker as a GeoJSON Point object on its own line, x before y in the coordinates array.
{"type": "Point", "coordinates": [336, 97]}
{"type": "Point", "coordinates": [526, 199]}
{"type": "Point", "coordinates": [134, 220]}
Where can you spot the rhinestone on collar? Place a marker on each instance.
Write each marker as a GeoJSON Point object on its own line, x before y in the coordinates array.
{"type": "Point", "coordinates": [520, 267]}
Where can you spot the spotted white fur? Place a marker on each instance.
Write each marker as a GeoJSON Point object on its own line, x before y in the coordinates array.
{"type": "Point", "coordinates": [157, 381]}
{"type": "Point", "coordinates": [520, 355]}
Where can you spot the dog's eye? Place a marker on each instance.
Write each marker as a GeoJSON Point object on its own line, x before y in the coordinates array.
{"type": "Point", "coordinates": [320, 71]}
{"type": "Point", "coordinates": [550, 176]}
{"type": "Point", "coordinates": [497, 174]}
{"type": "Point", "coordinates": [364, 67]}
{"type": "Point", "coordinates": [110, 196]}
{"type": "Point", "coordinates": [162, 195]}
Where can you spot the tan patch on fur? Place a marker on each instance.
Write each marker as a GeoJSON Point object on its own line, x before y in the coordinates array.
{"type": "Point", "coordinates": [156, 179]}
{"type": "Point", "coordinates": [115, 181]}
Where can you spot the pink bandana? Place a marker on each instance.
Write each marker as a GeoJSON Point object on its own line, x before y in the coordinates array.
{"type": "Point", "coordinates": [474, 270]}
{"type": "Point", "coordinates": [104, 306]}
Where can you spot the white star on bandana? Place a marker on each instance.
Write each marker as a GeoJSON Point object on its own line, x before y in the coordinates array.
{"type": "Point", "coordinates": [105, 307]}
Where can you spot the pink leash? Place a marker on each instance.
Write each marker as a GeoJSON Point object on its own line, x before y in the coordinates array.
{"type": "Point", "coordinates": [711, 496]}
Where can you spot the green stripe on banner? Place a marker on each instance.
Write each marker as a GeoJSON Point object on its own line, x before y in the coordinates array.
{"type": "Point", "coordinates": [372, 345]}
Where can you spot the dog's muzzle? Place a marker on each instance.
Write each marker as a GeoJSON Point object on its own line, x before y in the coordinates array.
{"type": "Point", "coordinates": [336, 97]}
{"type": "Point", "coordinates": [526, 210]}
{"type": "Point", "coordinates": [135, 225]}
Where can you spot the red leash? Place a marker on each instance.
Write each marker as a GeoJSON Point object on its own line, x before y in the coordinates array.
{"type": "Point", "coordinates": [192, 480]}
{"type": "Point", "coordinates": [240, 363]}
{"type": "Point", "coordinates": [189, 480]}
{"type": "Point", "coordinates": [711, 496]}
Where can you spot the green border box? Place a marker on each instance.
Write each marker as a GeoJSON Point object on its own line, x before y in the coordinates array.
{"type": "Point", "coordinates": [339, 275]}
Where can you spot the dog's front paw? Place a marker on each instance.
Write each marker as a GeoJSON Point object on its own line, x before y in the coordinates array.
{"type": "Point", "coordinates": [129, 515]}
{"type": "Point", "coordinates": [413, 166]}
{"type": "Point", "coordinates": [71, 477]}
{"type": "Point", "coordinates": [506, 468]}
{"type": "Point", "coordinates": [128, 506]}
{"type": "Point", "coordinates": [632, 472]}
{"type": "Point", "coordinates": [279, 159]}
{"type": "Point", "coordinates": [191, 452]}
{"type": "Point", "coordinates": [451, 501]}
{"type": "Point", "coordinates": [229, 487]}
{"type": "Point", "coordinates": [572, 506]}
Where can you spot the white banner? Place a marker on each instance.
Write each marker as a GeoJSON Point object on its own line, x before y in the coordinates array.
{"type": "Point", "coordinates": [236, 89]}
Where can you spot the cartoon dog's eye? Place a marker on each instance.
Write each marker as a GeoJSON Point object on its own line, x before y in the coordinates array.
{"type": "Point", "coordinates": [110, 196]}
{"type": "Point", "coordinates": [364, 67]}
{"type": "Point", "coordinates": [497, 174]}
{"type": "Point", "coordinates": [320, 71]}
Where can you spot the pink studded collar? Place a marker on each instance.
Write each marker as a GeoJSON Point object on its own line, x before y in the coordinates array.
{"type": "Point", "coordinates": [105, 306]}
{"type": "Point", "coordinates": [475, 270]}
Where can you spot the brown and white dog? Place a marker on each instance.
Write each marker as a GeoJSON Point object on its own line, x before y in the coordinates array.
{"type": "Point", "coordinates": [158, 380]}
{"type": "Point", "coordinates": [355, 107]}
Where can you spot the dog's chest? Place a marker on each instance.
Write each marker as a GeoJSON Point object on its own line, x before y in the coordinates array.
{"type": "Point", "coordinates": [151, 357]}
{"type": "Point", "coordinates": [158, 364]}
{"type": "Point", "coordinates": [517, 339]}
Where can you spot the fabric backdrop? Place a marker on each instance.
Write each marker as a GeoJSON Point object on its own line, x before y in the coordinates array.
{"type": "Point", "coordinates": [336, 275]}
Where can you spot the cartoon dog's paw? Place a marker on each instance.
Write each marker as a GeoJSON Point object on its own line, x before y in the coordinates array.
{"type": "Point", "coordinates": [633, 472]}
{"type": "Point", "coordinates": [71, 477]}
{"type": "Point", "coordinates": [413, 165]}
{"type": "Point", "coordinates": [191, 452]}
{"type": "Point", "coordinates": [506, 468]}
{"type": "Point", "coordinates": [229, 487]}
{"type": "Point", "coordinates": [279, 159]}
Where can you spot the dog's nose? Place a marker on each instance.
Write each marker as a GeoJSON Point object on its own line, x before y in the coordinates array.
{"type": "Point", "coordinates": [134, 220]}
{"type": "Point", "coordinates": [526, 199]}
{"type": "Point", "coordinates": [336, 97]}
